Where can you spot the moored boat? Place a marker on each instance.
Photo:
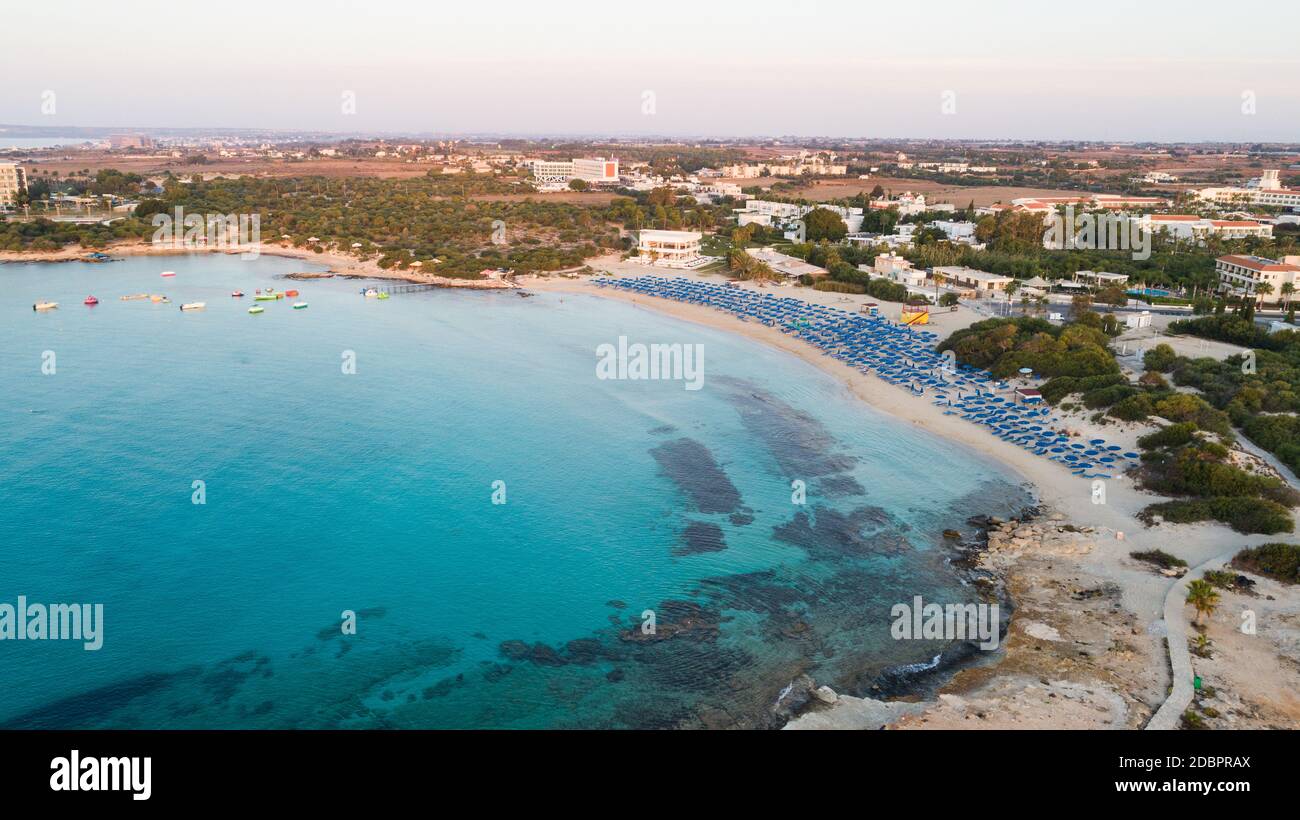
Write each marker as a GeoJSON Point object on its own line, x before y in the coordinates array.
{"type": "Point", "coordinates": [45, 306]}
{"type": "Point", "coordinates": [194, 306]}
{"type": "Point", "coordinates": [291, 293]}
{"type": "Point", "coordinates": [135, 296]}
{"type": "Point", "coordinates": [299, 305]}
{"type": "Point", "coordinates": [264, 297]}
{"type": "Point", "coordinates": [236, 293]}
{"type": "Point", "coordinates": [383, 294]}
{"type": "Point", "coordinates": [169, 273]}
{"type": "Point", "coordinates": [256, 309]}
{"type": "Point", "coordinates": [91, 300]}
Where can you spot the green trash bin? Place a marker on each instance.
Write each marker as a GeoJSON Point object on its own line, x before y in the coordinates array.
{"type": "Point", "coordinates": [1196, 682]}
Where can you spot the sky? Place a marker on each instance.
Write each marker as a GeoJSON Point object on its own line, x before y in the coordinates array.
{"type": "Point", "coordinates": [979, 69]}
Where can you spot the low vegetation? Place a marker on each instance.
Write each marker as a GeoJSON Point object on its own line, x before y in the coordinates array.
{"type": "Point", "coordinates": [1004, 346]}
{"type": "Point", "coordinates": [1278, 561]}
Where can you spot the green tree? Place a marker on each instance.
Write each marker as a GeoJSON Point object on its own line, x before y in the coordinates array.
{"type": "Point", "coordinates": [822, 223]}
{"type": "Point", "coordinates": [1203, 597]}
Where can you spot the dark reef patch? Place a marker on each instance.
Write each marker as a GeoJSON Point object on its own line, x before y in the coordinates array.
{"type": "Point", "coordinates": [700, 537]}
{"type": "Point", "coordinates": [827, 534]}
{"type": "Point", "coordinates": [692, 468]}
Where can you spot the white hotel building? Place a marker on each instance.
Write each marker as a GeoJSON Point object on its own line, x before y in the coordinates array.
{"type": "Point", "coordinates": [558, 172]}
{"type": "Point", "coordinates": [1267, 190]}
{"type": "Point", "coordinates": [1242, 275]}
{"type": "Point", "coordinates": [1188, 226]}
{"type": "Point", "coordinates": [670, 249]}
{"type": "Point", "coordinates": [781, 214]}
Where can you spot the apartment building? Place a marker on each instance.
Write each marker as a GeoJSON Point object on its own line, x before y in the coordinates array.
{"type": "Point", "coordinates": [13, 181]}
{"type": "Point", "coordinates": [783, 214]}
{"type": "Point", "coordinates": [1266, 190]}
{"type": "Point", "coordinates": [1188, 226]}
{"type": "Point", "coordinates": [1241, 275]}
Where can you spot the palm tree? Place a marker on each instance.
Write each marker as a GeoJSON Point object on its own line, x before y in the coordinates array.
{"type": "Point", "coordinates": [1261, 290]}
{"type": "Point", "coordinates": [1203, 597]}
{"type": "Point", "coordinates": [1012, 287]}
{"type": "Point", "coordinates": [1288, 290]}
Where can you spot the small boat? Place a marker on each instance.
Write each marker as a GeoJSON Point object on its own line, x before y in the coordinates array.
{"type": "Point", "coordinates": [194, 306]}
{"type": "Point", "coordinates": [45, 306]}
{"type": "Point", "coordinates": [157, 297]}
{"type": "Point", "coordinates": [299, 305]}
{"type": "Point", "coordinates": [236, 293]}
{"type": "Point", "coordinates": [371, 293]}
{"type": "Point", "coordinates": [383, 294]}
{"type": "Point", "coordinates": [264, 297]}
{"type": "Point", "coordinates": [291, 293]}
{"type": "Point", "coordinates": [169, 273]}
{"type": "Point", "coordinates": [135, 296]}
{"type": "Point", "coordinates": [91, 300]}
{"type": "Point", "coordinates": [256, 309]}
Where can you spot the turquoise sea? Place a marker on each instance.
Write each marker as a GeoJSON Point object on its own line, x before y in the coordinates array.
{"type": "Point", "coordinates": [373, 492]}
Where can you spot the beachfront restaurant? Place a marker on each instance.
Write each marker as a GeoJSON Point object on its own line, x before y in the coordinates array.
{"type": "Point", "coordinates": [982, 282]}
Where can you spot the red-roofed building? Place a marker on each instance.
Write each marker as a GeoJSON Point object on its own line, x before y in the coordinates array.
{"type": "Point", "coordinates": [1241, 275]}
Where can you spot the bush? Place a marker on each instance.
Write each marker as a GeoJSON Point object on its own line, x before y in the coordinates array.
{"type": "Point", "coordinates": [1106, 396]}
{"type": "Point", "coordinates": [1175, 435]}
{"type": "Point", "coordinates": [1160, 558]}
{"type": "Point", "coordinates": [832, 286]}
{"type": "Point", "coordinates": [1243, 514]}
{"type": "Point", "coordinates": [1160, 358]}
{"type": "Point", "coordinates": [949, 299]}
{"type": "Point", "coordinates": [1061, 386]}
{"type": "Point", "coordinates": [1133, 408]}
{"type": "Point", "coordinates": [1278, 561]}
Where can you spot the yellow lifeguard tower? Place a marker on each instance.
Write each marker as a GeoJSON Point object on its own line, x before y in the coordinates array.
{"type": "Point", "coordinates": [915, 315]}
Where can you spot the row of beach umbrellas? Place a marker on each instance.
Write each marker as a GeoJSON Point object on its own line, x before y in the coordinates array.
{"type": "Point", "coordinates": [903, 356]}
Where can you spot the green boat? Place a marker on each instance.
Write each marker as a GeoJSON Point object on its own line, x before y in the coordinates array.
{"type": "Point", "coordinates": [264, 297]}
{"type": "Point", "coordinates": [256, 309]}
{"type": "Point", "coordinates": [299, 305]}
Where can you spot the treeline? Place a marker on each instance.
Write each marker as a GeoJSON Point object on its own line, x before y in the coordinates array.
{"type": "Point", "coordinates": [1259, 392]}
{"type": "Point", "coordinates": [1004, 346]}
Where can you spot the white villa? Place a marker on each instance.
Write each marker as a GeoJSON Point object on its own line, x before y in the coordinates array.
{"type": "Point", "coordinates": [670, 249]}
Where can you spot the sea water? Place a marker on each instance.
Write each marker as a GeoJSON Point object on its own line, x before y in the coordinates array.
{"type": "Point", "coordinates": [517, 542]}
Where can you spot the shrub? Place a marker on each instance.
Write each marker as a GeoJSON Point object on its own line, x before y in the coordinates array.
{"type": "Point", "coordinates": [1175, 435]}
{"type": "Point", "coordinates": [838, 287]}
{"type": "Point", "coordinates": [1160, 358]}
{"type": "Point", "coordinates": [1160, 558]}
{"type": "Point", "coordinates": [1242, 513]}
{"type": "Point", "coordinates": [1278, 561]}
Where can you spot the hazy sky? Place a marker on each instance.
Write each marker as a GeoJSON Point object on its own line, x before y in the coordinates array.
{"type": "Point", "coordinates": [1103, 70]}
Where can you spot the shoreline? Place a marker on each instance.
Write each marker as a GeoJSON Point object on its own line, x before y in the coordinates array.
{"type": "Point", "coordinates": [336, 263]}
{"type": "Point", "coordinates": [1085, 551]}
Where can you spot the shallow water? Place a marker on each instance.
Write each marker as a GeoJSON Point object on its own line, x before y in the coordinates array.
{"type": "Point", "coordinates": [373, 492]}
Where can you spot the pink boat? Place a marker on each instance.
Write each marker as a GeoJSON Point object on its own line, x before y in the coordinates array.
{"type": "Point", "coordinates": [91, 300]}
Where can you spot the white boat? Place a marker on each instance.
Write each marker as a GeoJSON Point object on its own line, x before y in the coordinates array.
{"type": "Point", "coordinates": [45, 306]}
{"type": "Point", "coordinates": [194, 306]}
{"type": "Point", "coordinates": [299, 305]}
